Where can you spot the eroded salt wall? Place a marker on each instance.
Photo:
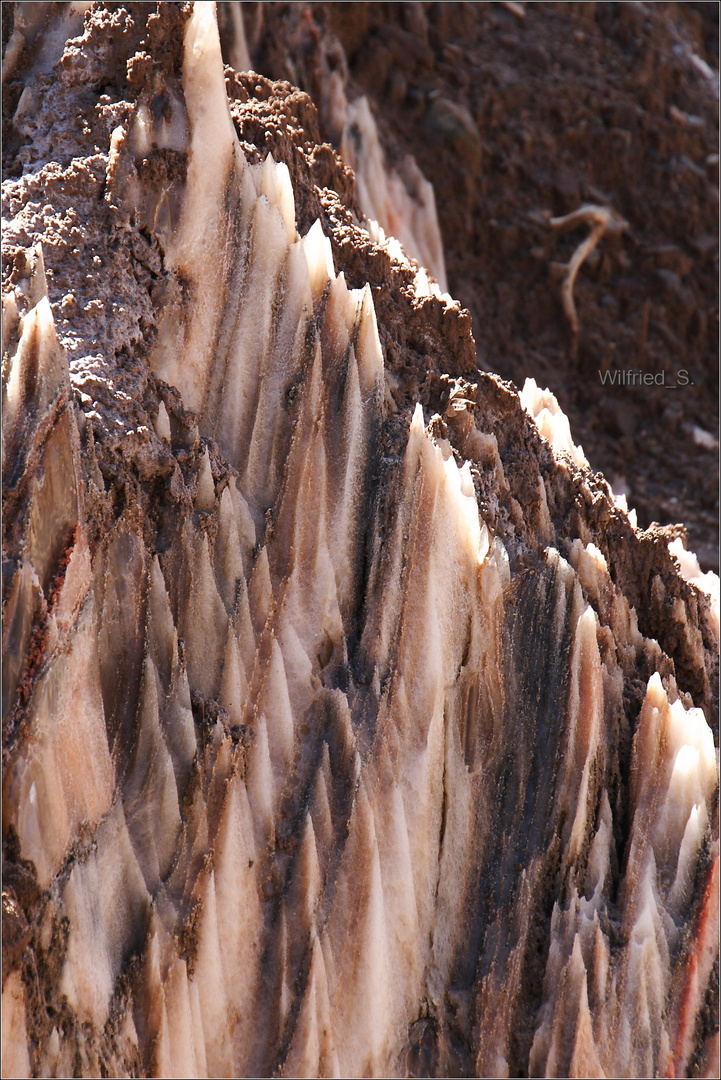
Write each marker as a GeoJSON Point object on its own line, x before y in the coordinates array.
{"type": "Point", "coordinates": [396, 199]}
{"type": "Point", "coordinates": [350, 726]}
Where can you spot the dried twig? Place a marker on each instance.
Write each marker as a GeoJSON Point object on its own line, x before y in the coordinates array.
{"type": "Point", "coordinates": [600, 218]}
{"type": "Point", "coordinates": [519, 10]}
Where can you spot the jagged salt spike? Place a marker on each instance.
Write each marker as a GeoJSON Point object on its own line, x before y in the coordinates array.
{"type": "Point", "coordinates": [261, 788]}
{"type": "Point", "coordinates": [240, 916]}
{"type": "Point", "coordinates": [418, 426]}
{"type": "Point", "coordinates": [162, 635]}
{"type": "Point", "coordinates": [168, 132]}
{"type": "Point", "coordinates": [162, 1055]}
{"type": "Point", "coordinates": [351, 455]}
{"type": "Point", "coordinates": [707, 583]}
{"type": "Point", "coordinates": [687, 858]}
{"type": "Point", "coordinates": [304, 1056]}
{"type": "Point", "coordinates": [361, 999]}
{"type": "Point", "coordinates": [421, 285]}
{"type": "Point", "coordinates": [463, 509]}
{"type": "Point", "coordinates": [599, 853]}
{"type": "Point", "coordinates": [692, 781]}
{"type": "Point", "coordinates": [340, 316]}
{"type": "Point", "coordinates": [150, 794]}
{"type": "Point", "coordinates": [283, 369]}
{"type": "Point", "coordinates": [212, 990]}
{"type": "Point", "coordinates": [320, 806]}
{"type": "Point", "coordinates": [21, 608]}
{"type": "Point", "coordinates": [69, 740]}
{"type": "Point", "coordinates": [185, 352]}
{"type": "Point", "coordinates": [600, 969]}
{"type": "Point", "coordinates": [239, 55]}
{"type": "Point", "coordinates": [244, 518]}
{"type": "Point", "coordinates": [550, 420]}
{"type": "Point", "coordinates": [161, 423]}
{"type": "Point", "coordinates": [15, 1056]}
{"type": "Point", "coordinates": [399, 894]}
{"type": "Point", "coordinates": [260, 591]}
{"type": "Point", "coordinates": [248, 350]}
{"type": "Point", "coordinates": [466, 479]}
{"type": "Point", "coordinates": [204, 624]}
{"type": "Point", "coordinates": [368, 346]}
{"type": "Point", "coordinates": [38, 288]}
{"type": "Point", "coordinates": [233, 684]}
{"type": "Point", "coordinates": [212, 132]}
{"type": "Point", "coordinates": [205, 492]}
{"type": "Point", "coordinates": [10, 317]}
{"type": "Point", "coordinates": [198, 1033]}
{"type": "Point", "coordinates": [401, 209]}
{"type": "Point", "coordinates": [307, 880]}
{"type": "Point", "coordinates": [361, 150]}
{"type": "Point", "coordinates": [104, 899]}
{"type": "Point", "coordinates": [179, 1019]}
{"type": "Point", "coordinates": [38, 370]}
{"type": "Point", "coordinates": [179, 726]}
{"type": "Point", "coordinates": [585, 715]}
{"type": "Point", "coordinates": [275, 184]}
{"type": "Point", "coordinates": [142, 130]}
{"type": "Point", "coordinates": [319, 256]}
{"type": "Point", "coordinates": [585, 1059]}
{"type": "Point", "coordinates": [313, 1051]}
{"type": "Point", "coordinates": [298, 668]}
{"type": "Point", "coordinates": [244, 630]}
{"type": "Point", "coordinates": [275, 704]}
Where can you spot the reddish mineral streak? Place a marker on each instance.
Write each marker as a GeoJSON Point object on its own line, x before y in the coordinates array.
{"type": "Point", "coordinates": [705, 940]}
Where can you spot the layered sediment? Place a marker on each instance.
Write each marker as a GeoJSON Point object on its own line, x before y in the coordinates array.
{"type": "Point", "coordinates": [350, 725]}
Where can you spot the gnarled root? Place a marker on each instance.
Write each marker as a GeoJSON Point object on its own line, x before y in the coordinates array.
{"type": "Point", "coordinates": [600, 218]}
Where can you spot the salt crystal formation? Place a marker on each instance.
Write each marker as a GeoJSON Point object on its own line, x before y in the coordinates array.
{"type": "Point", "coordinates": [405, 208]}
{"type": "Point", "coordinates": [349, 725]}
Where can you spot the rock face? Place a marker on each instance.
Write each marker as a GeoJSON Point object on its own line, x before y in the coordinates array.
{"type": "Point", "coordinates": [350, 727]}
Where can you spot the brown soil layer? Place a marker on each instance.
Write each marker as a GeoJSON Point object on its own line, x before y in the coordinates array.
{"type": "Point", "coordinates": [512, 117]}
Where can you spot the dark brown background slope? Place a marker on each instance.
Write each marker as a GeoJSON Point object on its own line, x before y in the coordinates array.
{"type": "Point", "coordinates": [510, 117]}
